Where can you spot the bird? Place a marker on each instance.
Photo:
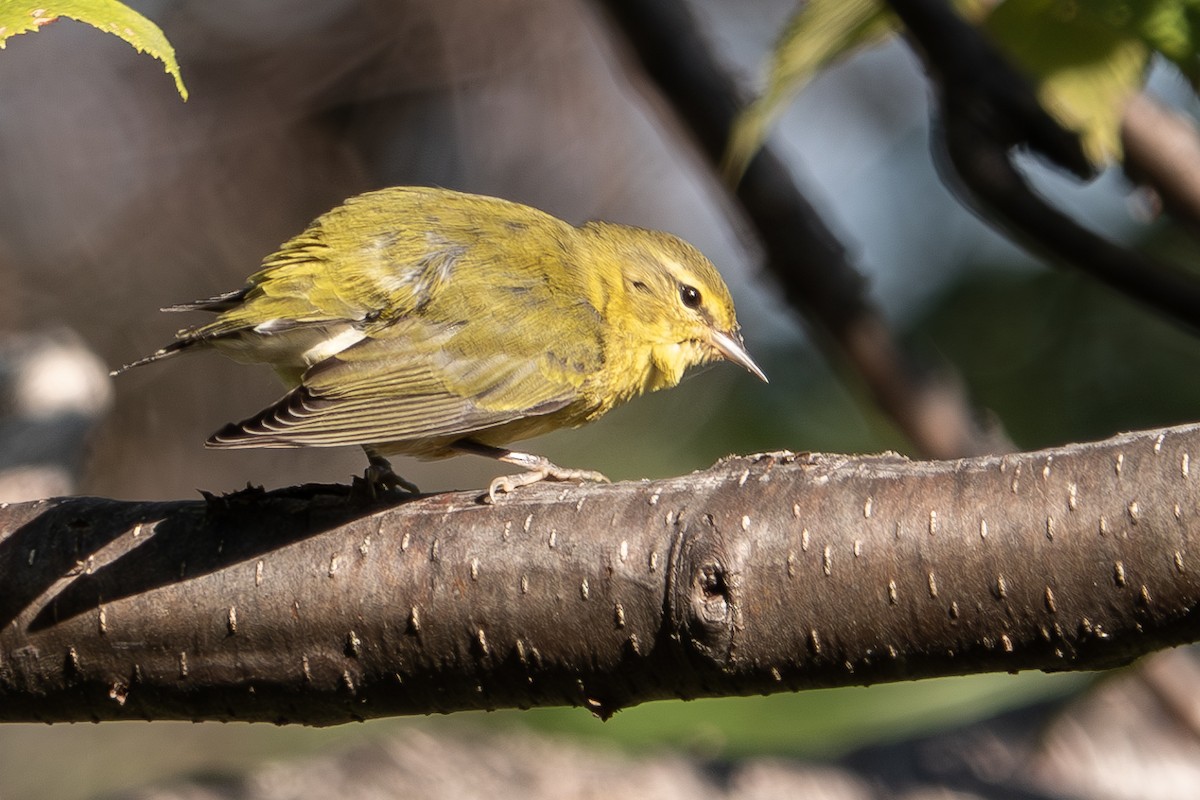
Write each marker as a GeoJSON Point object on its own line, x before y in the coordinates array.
{"type": "Point", "coordinates": [430, 322]}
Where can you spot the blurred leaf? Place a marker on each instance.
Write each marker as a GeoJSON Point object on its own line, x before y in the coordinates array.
{"type": "Point", "coordinates": [1171, 28]}
{"type": "Point", "coordinates": [819, 33]}
{"type": "Point", "coordinates": [107, 15]}
{"type": "Point", "coordinates": [1088, 59]}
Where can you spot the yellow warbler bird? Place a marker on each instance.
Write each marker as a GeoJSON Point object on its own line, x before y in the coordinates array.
{"type": "Point", "coordinates": [430, 322]}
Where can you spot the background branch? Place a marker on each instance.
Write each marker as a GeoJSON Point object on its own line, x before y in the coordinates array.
{"type": "Point", "coordinates": [1162, 149]}
{"type": "Point", "coordinates": [997, 190]}
{"type": "Point", "coordinates": [296, 606]}
{"type": "Point", "coordinates": [987, 108]}
{"type": "Point", "coordinates": [970, 69]}
{"type": "Point", "coordinates": [806, 258]}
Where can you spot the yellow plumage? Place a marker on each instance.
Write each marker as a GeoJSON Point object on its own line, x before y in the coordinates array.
{"type": "Point", "coordinates": [425, 321]}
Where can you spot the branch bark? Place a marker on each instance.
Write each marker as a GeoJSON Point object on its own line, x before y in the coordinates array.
{"type": "Point", "coordinates": [762, 574]}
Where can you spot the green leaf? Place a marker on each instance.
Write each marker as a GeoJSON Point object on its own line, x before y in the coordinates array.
{"type": "Point", "coordinates": [1088, 59]}
{"type": "Point", "coordinates": [17, 16]}
{"type": "Point", "coordinates": [819, 33]}
{"type": "Point", "coordinates": [1172, 29]}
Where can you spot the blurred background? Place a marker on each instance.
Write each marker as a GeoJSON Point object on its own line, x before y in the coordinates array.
{"type": "Point", "coordinates": [117, 198]}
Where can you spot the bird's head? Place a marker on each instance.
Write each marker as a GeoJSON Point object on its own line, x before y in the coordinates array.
{"type": "Point", "coordinates": [674, 301]}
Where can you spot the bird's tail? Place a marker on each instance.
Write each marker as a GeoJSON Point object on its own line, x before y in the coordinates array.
{"type": "Point", "coordinates": [218, 303]}
{"type": "Point", "coordinates": [177, 346]}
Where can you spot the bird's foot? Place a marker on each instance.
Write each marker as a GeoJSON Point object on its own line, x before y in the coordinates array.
{"type": "Point", "coordinates": [378, 479]}
{"type": "Point", "coordinates": [540, 469]}
{"type": "Point", "coordinates": [505, 484]}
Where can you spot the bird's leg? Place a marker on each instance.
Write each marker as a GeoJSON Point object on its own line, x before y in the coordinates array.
{"type": "Point", "coordinates": [540, 468]}
{"type": "Point", "coordinates": [379, 475]}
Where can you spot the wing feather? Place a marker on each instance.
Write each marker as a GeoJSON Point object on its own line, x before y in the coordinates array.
{"type": "Point", "coordinates": [407, 386]}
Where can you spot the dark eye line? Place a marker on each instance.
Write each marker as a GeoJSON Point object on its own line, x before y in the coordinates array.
{"type": "Point", "coordinates": [641, 287]}
{"type": "Point", "coordinates": [689, 295]}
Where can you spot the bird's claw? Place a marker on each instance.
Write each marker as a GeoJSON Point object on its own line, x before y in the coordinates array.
{"type": "Point", "coordinates": [506, 484]}
{"type": "Point", "coordinates": [379, 478]}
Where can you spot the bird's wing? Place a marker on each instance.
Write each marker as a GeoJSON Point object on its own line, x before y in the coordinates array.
{"type": "Point", "coordinates": [414, 381]}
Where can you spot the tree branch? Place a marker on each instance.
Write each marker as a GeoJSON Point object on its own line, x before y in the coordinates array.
{"type": "Point", "coordinates": [762, 574]}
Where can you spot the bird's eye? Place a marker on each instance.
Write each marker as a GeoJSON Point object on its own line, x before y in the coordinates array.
{"type": "Point", "coordinates": [689, 295]}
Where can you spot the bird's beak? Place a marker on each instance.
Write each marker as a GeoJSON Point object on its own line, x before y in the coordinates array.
{"type": "Point", "coordinates": [731, 346]}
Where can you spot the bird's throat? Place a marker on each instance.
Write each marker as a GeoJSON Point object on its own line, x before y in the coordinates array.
{"type": "Point", "coordinates": [668, 362]}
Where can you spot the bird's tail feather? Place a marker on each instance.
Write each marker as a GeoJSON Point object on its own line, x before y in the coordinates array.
{"type": "Point", "coordinates": [158, 355]}
{"type": "Point", "coordinates": [217, 303]}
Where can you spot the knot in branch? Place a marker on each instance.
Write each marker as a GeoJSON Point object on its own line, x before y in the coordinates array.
{"type": "Point", "coordinates": [702, 595]}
